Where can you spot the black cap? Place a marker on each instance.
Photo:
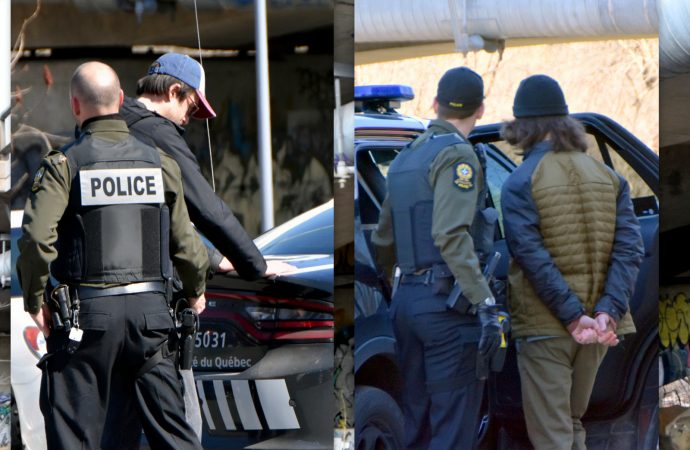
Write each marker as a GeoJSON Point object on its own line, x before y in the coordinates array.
{"type": "Point", "coordinates": [460, 89]}
{"type": "Point", "coordinates": [539, 95]}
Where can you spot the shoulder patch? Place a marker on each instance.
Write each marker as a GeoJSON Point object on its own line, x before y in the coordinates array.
{"type": "Point", "coordinates": [463, 177]}
{"type": "Point", "coordinates": [58, 159]}
{"type": "Point", "coordinates": [38, 178]}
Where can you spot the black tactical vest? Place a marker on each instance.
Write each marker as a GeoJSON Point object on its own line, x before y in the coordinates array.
{"type": "Point", "coordinates": [411, 200]}
{"type": "Point", "coordinates": [116, 226]}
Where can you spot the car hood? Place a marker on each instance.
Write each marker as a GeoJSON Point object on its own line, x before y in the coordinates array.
{"type": "Point", "coordinates": [313, 272]}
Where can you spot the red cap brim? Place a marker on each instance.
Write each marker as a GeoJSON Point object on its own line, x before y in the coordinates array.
{"type": "Point", "coordinates": [205, 111]}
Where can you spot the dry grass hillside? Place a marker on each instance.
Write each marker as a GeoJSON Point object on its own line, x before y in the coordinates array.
{"type": "Point", "coordinates": [617, 78]}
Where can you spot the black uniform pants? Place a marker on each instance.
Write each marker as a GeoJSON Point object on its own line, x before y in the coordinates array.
{"type": "Point", "coordinates": [82, 394]}
{"type": "Point", "coordinates": [437, 350]}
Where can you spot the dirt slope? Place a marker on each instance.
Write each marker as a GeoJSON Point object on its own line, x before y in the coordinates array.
{"type": "Point", "coordinates": [617, 78]}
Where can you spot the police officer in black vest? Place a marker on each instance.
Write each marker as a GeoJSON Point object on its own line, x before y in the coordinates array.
{"type": "Point", "coordinates": [107, 214]}
{"type": "Point", "coordinates": [434, 217]}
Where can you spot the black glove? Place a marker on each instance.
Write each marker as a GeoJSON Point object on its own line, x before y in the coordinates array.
{"type": "Point", "coordinates": [490, 339]}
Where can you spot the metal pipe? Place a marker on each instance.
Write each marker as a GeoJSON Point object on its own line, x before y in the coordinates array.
{"type": "Point", "coordinates": [5, 72]}
{"type": "Point", "coordinates": [337, 129]}
{"type": "Point", "coordinates": [263, 109]}
{"type": "Point", "coordinates": [674, 37]}
{"type": "Point", "coordinates": [431, 20]}
{"type": "Point", "coordinates": [5, 96]}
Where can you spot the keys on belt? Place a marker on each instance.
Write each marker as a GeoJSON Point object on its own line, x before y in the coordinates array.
{"type": "Point", "coordinates": [64, 306]}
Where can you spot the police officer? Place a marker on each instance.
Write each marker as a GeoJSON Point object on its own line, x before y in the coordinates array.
{"type": "Point", "coordinates": [435, 190]}
{"type": "Point", "coordinates": [106, 212]}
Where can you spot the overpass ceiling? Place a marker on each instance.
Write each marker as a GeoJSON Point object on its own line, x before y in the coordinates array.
{"type": "Point", "coordinates": [110, 23]}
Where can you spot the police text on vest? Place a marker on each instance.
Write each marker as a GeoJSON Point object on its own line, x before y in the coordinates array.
{"type": "Point", "coordinates": [120, 186]}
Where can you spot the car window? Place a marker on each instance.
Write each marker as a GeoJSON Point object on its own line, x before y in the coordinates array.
{"type": "Point", "coordinates": [374, 163]}
{"type": "Point", "coordinates": [602, 150]}
{"type": "Point", "coordinates": [383, 157]}
{"type": "Point", "coordinates": [312, 236]}
{"type": "Point", "coordinates": [496, 174]}
{"type": "Point", "coordinates": [372, 168]}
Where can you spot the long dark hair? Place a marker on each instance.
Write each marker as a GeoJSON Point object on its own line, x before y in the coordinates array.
{"type": "Point", "coordinates": [565, 133]}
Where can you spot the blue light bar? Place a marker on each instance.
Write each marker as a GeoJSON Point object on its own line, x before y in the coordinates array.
{"type": "Point", "coordinates": [391, 92]}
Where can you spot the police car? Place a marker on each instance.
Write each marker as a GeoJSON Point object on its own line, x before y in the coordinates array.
{"type": "Point", "coordinates": [624, 403]}
{"type": "Point", "coordinates": [263, 354]}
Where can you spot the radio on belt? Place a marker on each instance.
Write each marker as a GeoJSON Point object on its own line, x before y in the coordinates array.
{"type": "Point", "coordinates": [121, 186]}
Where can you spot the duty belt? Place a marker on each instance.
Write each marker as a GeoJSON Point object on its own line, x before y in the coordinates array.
{"type": "Point", "coordinates": [133, 288]}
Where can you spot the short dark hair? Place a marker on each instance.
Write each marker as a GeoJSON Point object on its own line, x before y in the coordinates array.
{"type": "Point", "coordinates": [446, 113]}
{"type": "Point", "coordinates": [565, 133]}
{"type": "Point", "coordinates": [158, 84]}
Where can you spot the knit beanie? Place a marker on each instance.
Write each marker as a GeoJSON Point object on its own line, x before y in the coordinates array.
{"type": "Point", "coordinates": [539, 95]}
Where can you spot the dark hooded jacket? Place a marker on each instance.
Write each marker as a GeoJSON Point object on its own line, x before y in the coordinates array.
{"type": "Point", "coordinates": [208, 212]}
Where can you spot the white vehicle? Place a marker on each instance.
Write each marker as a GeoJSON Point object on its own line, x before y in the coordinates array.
{"type": "Point", "coordinates": [28, 345]}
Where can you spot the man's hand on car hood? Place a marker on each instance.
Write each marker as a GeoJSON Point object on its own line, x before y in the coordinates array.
{"type": "Point", "coordinates": [278, 268]}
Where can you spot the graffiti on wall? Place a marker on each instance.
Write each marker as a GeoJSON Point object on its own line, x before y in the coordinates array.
{"type": "Point", "coordinates": [674, 316]}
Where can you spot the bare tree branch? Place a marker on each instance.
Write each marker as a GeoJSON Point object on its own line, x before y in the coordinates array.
{"type": "Point", "coordinates": [18, 48]}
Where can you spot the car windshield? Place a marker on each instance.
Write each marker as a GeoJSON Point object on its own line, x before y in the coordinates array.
{"type": "Point", "coordinates": [309, 233]}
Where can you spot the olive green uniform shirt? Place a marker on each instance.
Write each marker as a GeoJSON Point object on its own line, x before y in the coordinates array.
{"type": "Point", "coordinates": [453, 212]}
{"type": "Point", "coordinates": [49, 198]}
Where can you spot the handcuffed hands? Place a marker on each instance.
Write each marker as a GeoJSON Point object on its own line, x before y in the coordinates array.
{"type": "Point", "coordinates": [588, 330]}
{"type": "Point", "coordinates": [607, 330]}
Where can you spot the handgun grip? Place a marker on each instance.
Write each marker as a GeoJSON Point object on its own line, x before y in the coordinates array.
{"type": "Point", "coordinates": [57, 323]}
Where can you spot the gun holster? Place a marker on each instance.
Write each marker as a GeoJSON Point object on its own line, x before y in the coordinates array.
{"type": "Point", "coordinates": [189, 324]}
{"type": "Point", "coordinates": [441, 279]}
{"type": "Point", "coordinates": [62, 306]}
{"type": "Point", "coordinates": [458, 301]}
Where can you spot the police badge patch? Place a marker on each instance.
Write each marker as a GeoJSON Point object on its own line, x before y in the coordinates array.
{"type": "Point", "coordinates": [464, 177]}
{"type": "Point", "coordinates": [37, 179]}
